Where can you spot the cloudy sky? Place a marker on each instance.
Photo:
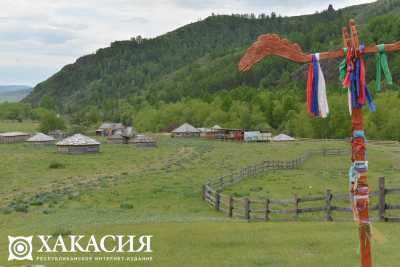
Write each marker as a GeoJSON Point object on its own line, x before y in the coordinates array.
{"type": "Point", "coordinates": [38, 37]}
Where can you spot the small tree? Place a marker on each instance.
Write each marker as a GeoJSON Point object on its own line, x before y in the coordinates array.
{"type": "Point", "coordinates": [50, 121]}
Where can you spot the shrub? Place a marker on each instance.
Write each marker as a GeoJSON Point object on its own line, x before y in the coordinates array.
{"type": "Point", "coordinates": [127, 206]}
{"type": "Point", "coordinates": [21, 207]}
{"type": "Point", "coordinates": [56, 165]}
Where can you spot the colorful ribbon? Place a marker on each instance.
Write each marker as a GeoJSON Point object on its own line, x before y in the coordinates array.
{"type": "Point", "coordinates": [343, 66]}
{"type": "Point", "coordinates": [382, 64]}
{"type": "Point", "coordinates": [355, 81]}
{"type": "Point", "coordinates": [317, 102]}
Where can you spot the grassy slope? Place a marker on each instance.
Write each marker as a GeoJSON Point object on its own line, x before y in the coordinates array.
{"type": "Point", "coordinates": [26, 126]}
{"type": "Point", "coordinates": [163, 185]}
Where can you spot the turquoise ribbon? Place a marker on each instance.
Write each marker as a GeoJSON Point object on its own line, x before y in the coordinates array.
{"type": "Point", "coordinates": [343, 66]}
{"type": "Point", "coordinates": [382, 64]}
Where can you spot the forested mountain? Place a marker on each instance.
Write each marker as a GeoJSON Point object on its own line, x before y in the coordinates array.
{"type": "Point", "coordinates": [196, 66]}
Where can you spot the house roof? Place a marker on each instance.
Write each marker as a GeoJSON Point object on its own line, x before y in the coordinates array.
{"type": "Point", "coordinates": [283, 137]}
{"type": "Point", "coordinates": [216, 127]}
{"type": "Point", "coordinates": [186, 128]}
{"type": "Point", "coordinates": [12, 134]}
{"type": "Point", "coordinates": [78, 140]}
{"type": "Point", "coordinates": [41, 137]}
{"type": "Point", "coordinates": [128, 132]}
{"type": "Point", "coordinates": [111, 125]}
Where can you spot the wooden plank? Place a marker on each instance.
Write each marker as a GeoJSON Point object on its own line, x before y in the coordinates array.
{"type": "Point", "coordinates": [393, 190]}
{"type": "Point", "coordinates": [392, 220]}
{"type": "Point", "coordinates": [312, 198]}
{"type": "Point", "coordinates": [230, 207]}
{"type": "Point", "coordinates": [328, 206]}
{"type": "Point", "coordinates": [392, 207]}
{"type": "Point", "coordinates": [247, 209]}
{"type": "Point", "coordinates": [382, 204]}
{"type": "Point", "coordinates": [314, 209]}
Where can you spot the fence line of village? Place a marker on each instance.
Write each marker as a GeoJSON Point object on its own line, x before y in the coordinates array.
{"type": "Point", "coordinates": [266, 209]}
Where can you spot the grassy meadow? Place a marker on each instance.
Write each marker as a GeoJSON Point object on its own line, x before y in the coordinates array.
{"type": "Point", "coordinates": [128, 190]}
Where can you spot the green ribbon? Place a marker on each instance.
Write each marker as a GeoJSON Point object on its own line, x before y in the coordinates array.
{"type": "Point", "coordinates": [382, 64]}
{"type": "Point", "coordinates": [343, 66]}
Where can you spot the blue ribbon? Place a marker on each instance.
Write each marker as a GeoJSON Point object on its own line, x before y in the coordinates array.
{"type": "Point", "coordinates": [314, 107]}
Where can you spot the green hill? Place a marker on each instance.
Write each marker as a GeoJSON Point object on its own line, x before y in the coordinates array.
{"type": "Point", "coordinates": [200, 58]}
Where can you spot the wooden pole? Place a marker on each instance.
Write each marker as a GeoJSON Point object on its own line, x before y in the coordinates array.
{"type": "Point", "coordinates": [360, 191]}
{"type": "Point", "coordinates": [382, 202]}
{"type": "Point", "coordinates": [328, 206]}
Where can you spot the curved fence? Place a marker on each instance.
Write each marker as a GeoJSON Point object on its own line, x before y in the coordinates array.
{"type": "Point", "coordinates": [265, 209]}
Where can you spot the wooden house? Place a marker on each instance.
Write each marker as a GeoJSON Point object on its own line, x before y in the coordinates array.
{"type": "Point", "coordinates": [78, 144]}
{"type": "Point", "coordinates": [143, 141]}
{"type": "Point", "coordinates": [41, 139]}
{"type": "Point", "coordinates": [13, 137]}
{"type": "Point", "coordinates": [282, 138]}
{"type": "Point", "coordinates": [109, 129]}
{"type": "Point", "coordinates": [185, 130]}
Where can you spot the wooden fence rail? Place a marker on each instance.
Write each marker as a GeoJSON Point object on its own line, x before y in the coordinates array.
{"type": "Point", "coordinates": [263, 208]}
{"type": "Point", "coordinates": [256, 209]}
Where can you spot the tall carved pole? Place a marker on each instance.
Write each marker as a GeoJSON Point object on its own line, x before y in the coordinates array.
{"type": "Point", "coordinates": [359, 187]}
{"type": "Point", "coordinates": [272, 44]}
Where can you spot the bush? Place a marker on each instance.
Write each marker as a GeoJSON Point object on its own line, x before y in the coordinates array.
{"type": "Point", "coordinates": [127, 206]}
{"type": "Point", "coordinates": [56, 165]}
{"type": "Point", "coordinates": [21, 207]}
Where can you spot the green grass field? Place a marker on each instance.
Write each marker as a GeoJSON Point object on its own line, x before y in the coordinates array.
{"type": "Point", "coordinates": [157, 191]}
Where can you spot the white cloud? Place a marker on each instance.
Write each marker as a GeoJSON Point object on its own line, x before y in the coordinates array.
{"type": "Point", "coordinates": [38, 37]}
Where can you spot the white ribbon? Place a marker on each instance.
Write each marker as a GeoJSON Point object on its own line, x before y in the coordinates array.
{"type": "Point", "coordinates": [322, 99]}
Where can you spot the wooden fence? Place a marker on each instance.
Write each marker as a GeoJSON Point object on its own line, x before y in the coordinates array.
{"type": "Point", "coordinates": [265, 209]}
{"type": "Point", "coordinates": [220, 183]}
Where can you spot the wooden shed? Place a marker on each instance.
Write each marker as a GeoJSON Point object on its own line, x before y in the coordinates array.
{"type": "Point", "coordinates": [115, 139]}
{"type": "Point", "coordinates": [78, 144]}
{"type": "Point", "coordinates": [283, 138]}
{"type": "Point", "coordinates": [41, 139]}
{"type": "Point", "coordinates": [143, 141]}
{"type": "Point", "coordinates": [13, 137]}
{"type": "Point", "coordinates": [185, 130]}
{"type": "Point", "coordinates": [110, 128]}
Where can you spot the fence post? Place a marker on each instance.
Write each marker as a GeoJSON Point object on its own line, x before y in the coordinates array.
{"type": "Point", "coordinates": [217, 201]}
{"type": "Point", "coordinates": [267, 209]}
{"type": "Point", "coordinates": [247, 209]}
{"type": "Point", "coordinates": [296, 207]}
{"type": "Point", "coordinates": [382, 202]}
{"type": "Point", "coordinates": [230, 210]}
{"type": "Point", "coordinates": [328, 206]}
{"type": "Point", "coordinates": [203, 194]}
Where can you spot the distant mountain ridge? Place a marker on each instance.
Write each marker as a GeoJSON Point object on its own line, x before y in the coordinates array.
{"type": "Point", "coordinates": [13, 88]}
{"type": "Point", "coordinates": [200, 59]}
{"type": "Point", "coordinates": [14, 93]}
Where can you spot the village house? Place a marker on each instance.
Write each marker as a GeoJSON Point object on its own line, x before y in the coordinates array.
{"type": "Point", "coordinates": [143, 141]}
{"type": "Point", "coordinates": [185, 130]}
{"type": "Point", "coordinates": [109, 129]}
{"type": "Point", "coordinates": [78, 144]}
{"type": "Point", "coordinates": [13, 137]}
{"type": "Point", "coordinates": [122, 137]}
{"type": "Point", "coordinates": [282, 138]}
{"type": "Point", "coordinates": [41, 139]}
